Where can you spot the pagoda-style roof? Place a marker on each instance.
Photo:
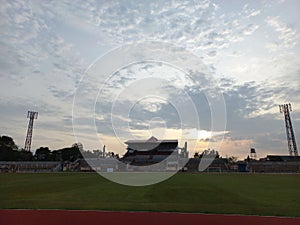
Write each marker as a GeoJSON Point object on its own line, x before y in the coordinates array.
{"type": "Point", "coordinates": [152, 139]}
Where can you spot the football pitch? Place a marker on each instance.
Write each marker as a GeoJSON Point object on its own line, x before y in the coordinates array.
{"type": "Point", "coordinates": [251, 194]}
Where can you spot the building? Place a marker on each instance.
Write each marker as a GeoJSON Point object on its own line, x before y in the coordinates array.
{"type": "Point", "coordinates": [215, 165]}
{"type": "Point", "coordinates": [274, 167]}
{"type": "Point", "coordinates": [275, 164]}
{"type": "Point", "coordinates": [281, 158]}
{"type": "Point", "coordinates": [164, 154]}
{"type": "Point", "coordinates": [271, 164]}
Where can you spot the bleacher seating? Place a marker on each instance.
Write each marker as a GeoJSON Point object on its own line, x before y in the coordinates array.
{"type": "Point", "coordinates": [30, 166]}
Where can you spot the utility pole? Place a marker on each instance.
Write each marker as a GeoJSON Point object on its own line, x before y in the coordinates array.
{"type": "Point", "coordinates": [285, 109]}
{"type": "Point", "coordinates": [32, 116]}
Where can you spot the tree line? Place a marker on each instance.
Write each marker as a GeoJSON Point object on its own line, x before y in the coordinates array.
{"type": "Point", "coordinates": [9, 151]}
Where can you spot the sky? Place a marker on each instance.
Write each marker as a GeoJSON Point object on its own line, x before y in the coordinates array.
{"type": "Point", "coordinates": [67, 60]}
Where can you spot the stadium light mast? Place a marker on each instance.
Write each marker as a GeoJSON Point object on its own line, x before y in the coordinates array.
{"type": "Point", "coordinates": [32, 116]}
{"type": "Point", "coordinates": [285, 109]}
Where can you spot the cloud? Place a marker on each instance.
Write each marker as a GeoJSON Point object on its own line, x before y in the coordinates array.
{"type": "Point", "coordinates": [191, 24]}
{"type": "Point", "coordinates": [287, 34]}
{"type": "Point", "coordinates": [250, 111]}
{"type": "Point", "coordinates": [250, 29]}
{"type": "Point", "coordinates": [46, 48]}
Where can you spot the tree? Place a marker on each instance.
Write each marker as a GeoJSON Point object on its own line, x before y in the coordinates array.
{"type": "Point", "coordinates": [232, 159]}
{"type": "Point", "coordinates": [8, 142]}
{"type": "Point", "coordinates": [9, 151]}
{"type": "Point", "coordinates": [209, 153]}
{"type": "Point", "coordinates": [43, 154]}
{"type": "Point", "coordinates": [68, 154]}
{"type": "Point", "coordinates": [24, 155]}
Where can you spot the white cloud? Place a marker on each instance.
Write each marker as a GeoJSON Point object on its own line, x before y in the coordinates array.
{"type": "Point", "coordinates": [254, 13]}
{"type": "Point", "coordinates": [250, 29]}
{"type": "Point", "coordinates": [287, 34]}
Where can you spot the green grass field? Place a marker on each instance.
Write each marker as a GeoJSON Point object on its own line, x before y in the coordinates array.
{"type": "Point", "coordinates": [255, 194]}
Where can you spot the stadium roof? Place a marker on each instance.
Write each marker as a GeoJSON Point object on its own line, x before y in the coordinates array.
{"type": "Point", "coordinates": [152, 139]}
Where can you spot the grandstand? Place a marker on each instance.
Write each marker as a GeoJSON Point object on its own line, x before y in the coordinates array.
{"type": "Point", "coordinates": [153, 152]}
{"type": "Point", "coordinates": [30, 166]}
{"type": "Point", "coordinates": [217, 165]}
{"type": "Point", "coordinates": [274, 166]}
{"type": "Point", "coordinates": [271, 164]}
{"type": "Point", "coordinates": [93, 164]}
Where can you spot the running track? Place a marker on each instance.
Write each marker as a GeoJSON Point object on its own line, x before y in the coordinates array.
{"type": "Point", "coordinates": [73, 217]}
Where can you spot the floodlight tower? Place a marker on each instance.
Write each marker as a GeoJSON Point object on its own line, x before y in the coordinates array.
{"type": "Point", "coordinates": [32, 116]}
{"type": "Point", "coordinates": [285, 109]}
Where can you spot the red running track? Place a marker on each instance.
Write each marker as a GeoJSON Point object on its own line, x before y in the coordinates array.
{"type": "Point", "coordinates": [78, 217]}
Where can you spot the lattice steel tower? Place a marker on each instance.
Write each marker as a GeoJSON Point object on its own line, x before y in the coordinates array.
{"type": "Point", "coordinates": [31, 115]}
{"type": "Point", "coordinates": [285, 109]}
